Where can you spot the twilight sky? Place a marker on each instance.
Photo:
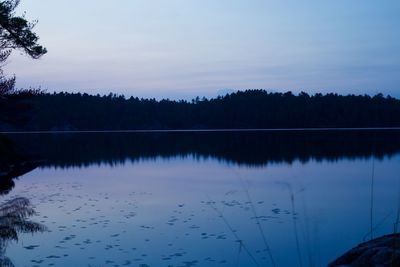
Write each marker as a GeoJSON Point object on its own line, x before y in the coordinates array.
{"type": "Point", "coordinates": [184, 48]}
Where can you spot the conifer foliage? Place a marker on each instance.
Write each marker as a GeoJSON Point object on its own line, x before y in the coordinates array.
{"type": "Point", "coordinates": [15, 34]}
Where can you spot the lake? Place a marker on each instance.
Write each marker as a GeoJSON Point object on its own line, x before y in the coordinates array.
{"type": "Point", "coordinates": [282, 198]}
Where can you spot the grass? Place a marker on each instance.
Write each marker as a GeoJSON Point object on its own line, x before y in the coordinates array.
{"type": "Point", "coordinates": [234, 233]}
{"type": "Point", "coordinates": [259, 226]}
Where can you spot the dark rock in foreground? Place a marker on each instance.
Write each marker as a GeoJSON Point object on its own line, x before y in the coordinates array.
{"type": "Point", "coordinates": [383, 252]}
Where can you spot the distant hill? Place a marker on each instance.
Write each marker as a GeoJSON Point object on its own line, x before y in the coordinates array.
{"type": "Point", "coordinates": [242, 109]}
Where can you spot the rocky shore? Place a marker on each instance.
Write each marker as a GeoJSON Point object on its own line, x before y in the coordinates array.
{"type": "Point", "coordinates": [380, 252]}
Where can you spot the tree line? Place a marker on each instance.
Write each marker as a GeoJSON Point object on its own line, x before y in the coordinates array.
{"type": "Point", "coordinates": [239, 110]}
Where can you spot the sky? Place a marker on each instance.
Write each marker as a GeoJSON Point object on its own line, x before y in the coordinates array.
{"type": "Point", "coordinates": [185, 48]}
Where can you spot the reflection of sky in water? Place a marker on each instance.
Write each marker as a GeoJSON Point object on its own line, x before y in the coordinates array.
{"type": "Point", "coordinates": [165, 212]}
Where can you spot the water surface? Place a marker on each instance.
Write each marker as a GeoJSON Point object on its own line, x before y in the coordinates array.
{"type": "Point", "coordinates": [205, 199]}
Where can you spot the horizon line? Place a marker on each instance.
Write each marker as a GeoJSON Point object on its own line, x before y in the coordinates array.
{"type": "Point", "coordinates": [207, 130]}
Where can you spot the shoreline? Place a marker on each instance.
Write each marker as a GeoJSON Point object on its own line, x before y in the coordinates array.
{"type": "Point", "coordinates": [207, 130]}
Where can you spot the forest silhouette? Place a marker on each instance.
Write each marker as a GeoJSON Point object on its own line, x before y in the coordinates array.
{"type": "Point", "coordinates": [240, 110]}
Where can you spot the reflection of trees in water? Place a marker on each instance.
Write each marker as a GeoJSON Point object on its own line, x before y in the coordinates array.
{"type": "Point", "coordinates": [242, 148]}
{"type": "Point", "coordinates": [14, 213]}
{"type": "Point", "coordinates": [14, 219]}
{"type": "Point", "coordinates": [13, 171]}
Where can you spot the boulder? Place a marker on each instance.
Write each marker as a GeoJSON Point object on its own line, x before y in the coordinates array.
{"type": "Point", "coordinates": [380, 252]}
